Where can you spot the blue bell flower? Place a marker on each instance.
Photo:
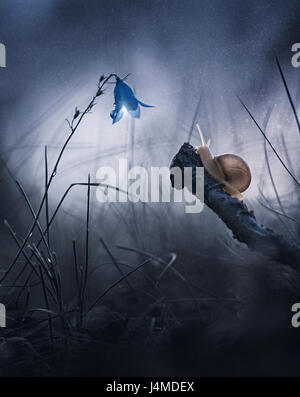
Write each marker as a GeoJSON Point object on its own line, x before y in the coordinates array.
{"type": "Point", "coordinates": [125, 100]}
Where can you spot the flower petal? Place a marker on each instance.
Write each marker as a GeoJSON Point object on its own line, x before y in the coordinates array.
{"type": "Point", "coordinates": [126, 96]}
{"type": "Point", "coordinates": [144, 105]}
{"type": "Point", "coordinates": [116, 116]}
{"type": "Point", "coordinates": [125, 100]}
{"type": "Point", "coordinates": [135, 113]}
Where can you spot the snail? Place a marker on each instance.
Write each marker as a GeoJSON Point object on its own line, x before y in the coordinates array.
{"type": "Point", "coordinates": [228, 169]}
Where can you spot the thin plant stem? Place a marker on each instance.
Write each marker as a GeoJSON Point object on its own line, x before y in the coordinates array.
{"type": "Point", "coordinates": [194, 119]}
{"type": "Point", "coordinates": [46, 199]}
{"type": "Point", "coordinates": [288, 93]}
{"type": "Point", "coordinates": [75, 264]}
{"type": "Point", "coordinates": [115, 284]}
{"type": "Point", "coordinates": [115, 262]}
{"type": "Point", "coordinates": [23, 251]}
{"type": "Point", "coordinates": [73, 130]}
{"type": "Point", "coordinates": [86, 267]}
{"type": "Point", "coordinates": [61, 202]}
{"type": "Point", "coordinates": [34, 217]}
{"type": "Point", "coordinates": [278, 212]}
{"type": "Point", "coordinates": [46, 303]}
{"type": "Point", "coordinates": [267, 139]}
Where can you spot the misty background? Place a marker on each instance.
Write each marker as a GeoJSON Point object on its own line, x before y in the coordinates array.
{"type": "Point", "coordinates": [183, 57]}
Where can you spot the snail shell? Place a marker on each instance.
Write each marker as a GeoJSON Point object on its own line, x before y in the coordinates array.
{"type": "Point", "coordinates": [235, 170]}
{"type": "Point", "coordinates": [229, 169]}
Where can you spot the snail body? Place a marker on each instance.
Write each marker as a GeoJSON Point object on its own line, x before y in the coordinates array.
{"type": "Point", "coordinates": [228, 169]}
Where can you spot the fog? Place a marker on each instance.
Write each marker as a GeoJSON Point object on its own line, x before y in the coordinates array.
{"type": "Point", "coordinates": [192, 60]}
{"type": "Point", "coordinates": [175, 51]}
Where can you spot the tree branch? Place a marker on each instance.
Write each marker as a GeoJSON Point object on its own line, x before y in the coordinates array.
{"type": "Point", "coordinates": [235, 214]}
